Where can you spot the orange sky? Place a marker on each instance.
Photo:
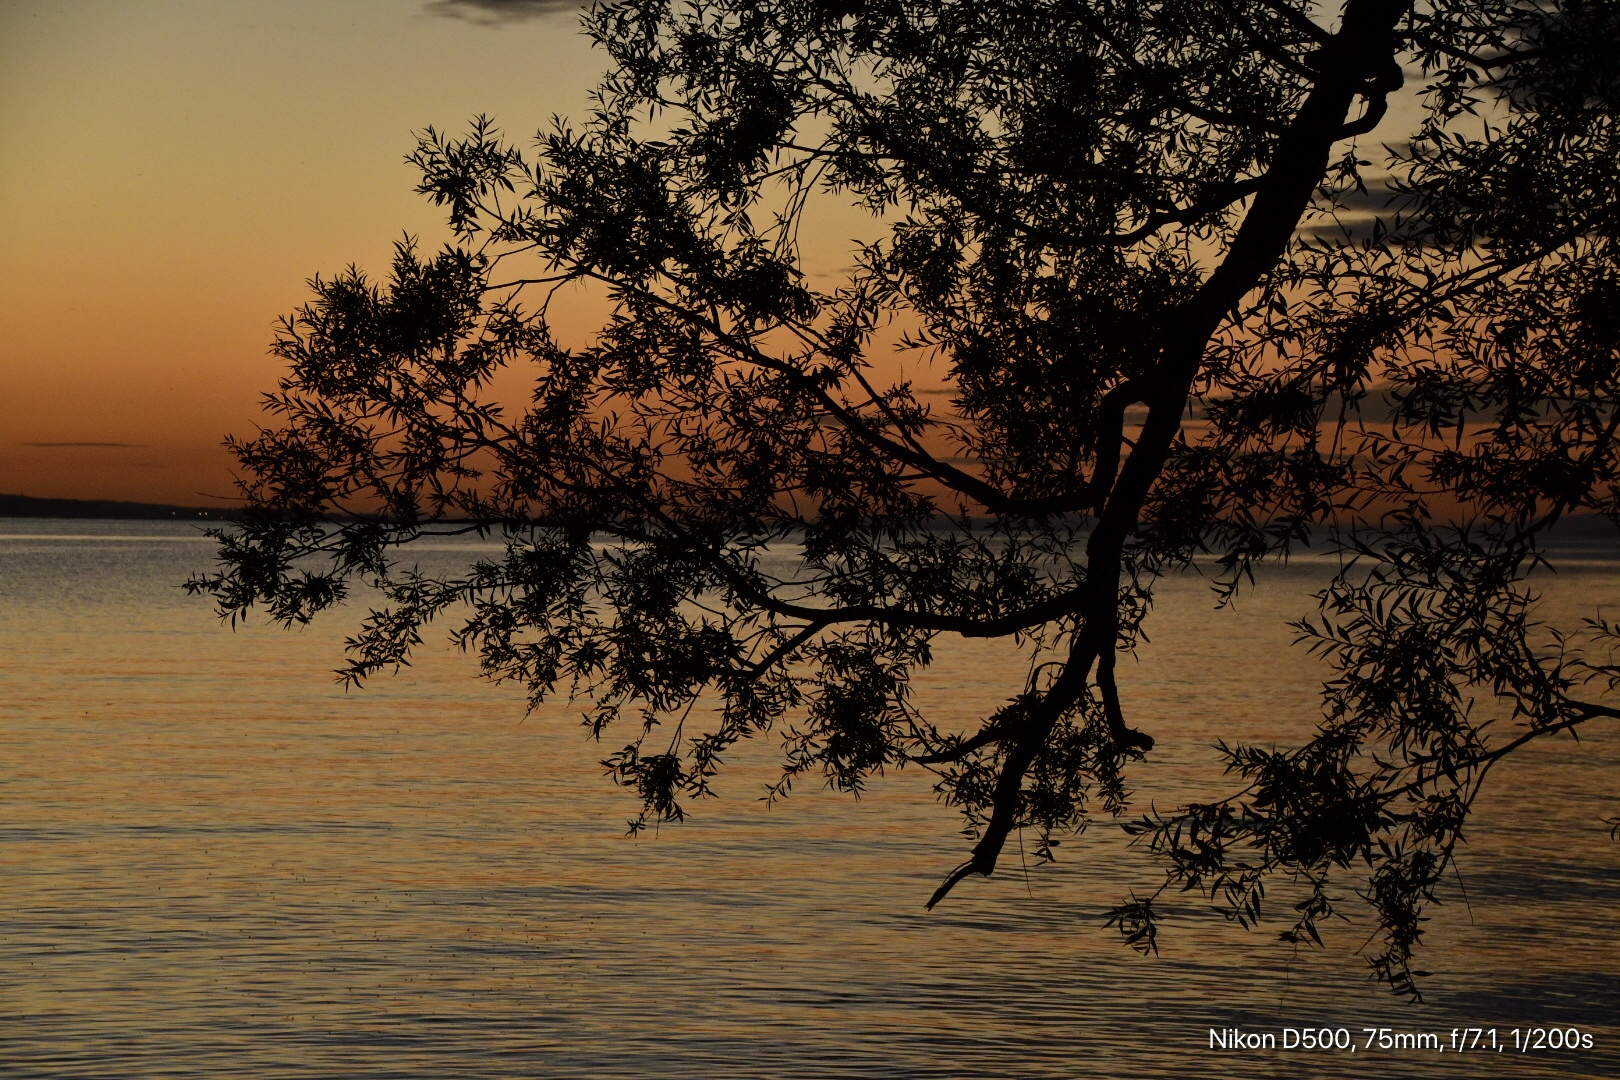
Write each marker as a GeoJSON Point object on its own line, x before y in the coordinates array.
{"type": "Point", "coordinates": [170, 174]}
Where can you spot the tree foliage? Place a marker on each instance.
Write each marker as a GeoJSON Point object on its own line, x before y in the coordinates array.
{"type": "Point", "coordinates": [1202, 280]}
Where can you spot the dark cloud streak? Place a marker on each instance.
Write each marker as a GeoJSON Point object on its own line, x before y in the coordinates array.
{"type": "Point", "coordinates": [81, 445]}
{"type": "Point", "coordinates": [500, 12]}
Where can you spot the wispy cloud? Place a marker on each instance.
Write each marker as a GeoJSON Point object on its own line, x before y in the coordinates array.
{"type": "Point", "coordinates": [78, 445]}
{"type": "Point", "coordinates": [497, 12]}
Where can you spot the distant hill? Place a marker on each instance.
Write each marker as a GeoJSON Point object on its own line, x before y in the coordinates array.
{"type": "Point", "coordinates": [26, 507]}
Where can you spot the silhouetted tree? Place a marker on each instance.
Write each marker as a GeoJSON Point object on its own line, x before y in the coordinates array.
{"type": "Point", "coordinates": [1186, 308]}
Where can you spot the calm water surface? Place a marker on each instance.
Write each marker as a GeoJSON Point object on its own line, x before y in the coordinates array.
{"type": "Point", "coordinates": [218, 863]}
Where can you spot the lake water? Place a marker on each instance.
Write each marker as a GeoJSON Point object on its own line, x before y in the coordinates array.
{"type": "Point", "coordinates": [218, 863]}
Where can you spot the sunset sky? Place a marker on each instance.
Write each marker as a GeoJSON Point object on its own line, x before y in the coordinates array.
{"type": "Point", "coordinates": [173, 171]}
{"type": "Point", "coordinates": [170, 174]}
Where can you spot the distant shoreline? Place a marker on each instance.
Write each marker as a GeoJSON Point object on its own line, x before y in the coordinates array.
{"type": "Point", "coordinates": [25, 506]}
{"type": "Point", "coordinates": [1576, 527]}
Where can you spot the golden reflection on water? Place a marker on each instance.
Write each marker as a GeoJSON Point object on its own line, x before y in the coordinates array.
{"type": "Point", "coordinates": [216, 862]}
